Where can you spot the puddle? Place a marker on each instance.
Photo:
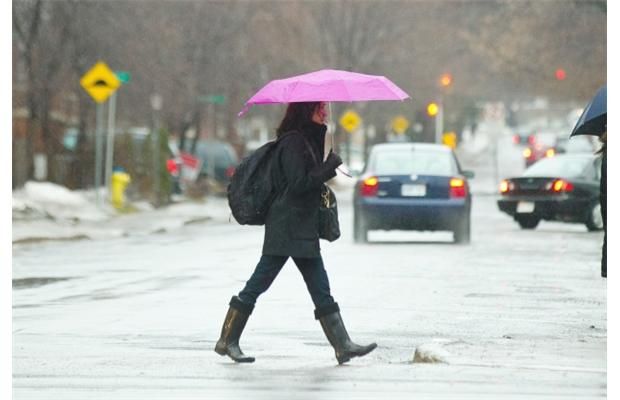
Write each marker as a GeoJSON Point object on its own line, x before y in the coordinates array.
{"type": "Point", "coordinates": [197, 220]}
{"type": "Point", "coordinates": [27, 283]}
{"type": "Point", "coordinates": [31, 240]}
{"type": "Point", "coordinates": [542, 289]}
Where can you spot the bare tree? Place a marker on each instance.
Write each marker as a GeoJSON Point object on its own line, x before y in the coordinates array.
{"type": "Point", "coordinates": [26, 25]}
{"type": "Point", "coordinates": [187, 50]}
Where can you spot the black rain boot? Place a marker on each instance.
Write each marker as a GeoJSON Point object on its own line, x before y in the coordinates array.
{"type": "Point", "coordinates": [234, 323]}
{"type": "Point", "coordinates": [336, 333]}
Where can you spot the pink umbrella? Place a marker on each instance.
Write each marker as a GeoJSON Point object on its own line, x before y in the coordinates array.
{"type": "Point", "coordinates": [327, 85]}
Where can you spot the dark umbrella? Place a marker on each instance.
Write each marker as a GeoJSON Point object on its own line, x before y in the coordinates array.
{"type": "Point", "coordinates": [593, 120]}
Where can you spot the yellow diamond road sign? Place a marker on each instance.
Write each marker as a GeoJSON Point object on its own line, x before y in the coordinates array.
{"type": "Point", "coordinates": [350, 120]}
{"type": "Point", "coordinates": [400, 124]}
{"type": "Point", "coordinates": [100, 82]}
{"type": "Point", "coordinates": [449, 139]}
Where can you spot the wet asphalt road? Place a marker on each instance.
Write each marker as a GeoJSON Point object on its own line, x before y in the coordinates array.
{"type": "Point", "coordinates": [517, 314]}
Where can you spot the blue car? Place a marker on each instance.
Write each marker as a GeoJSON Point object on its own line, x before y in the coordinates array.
{"type": "Point", "coordinates": [412, 186]}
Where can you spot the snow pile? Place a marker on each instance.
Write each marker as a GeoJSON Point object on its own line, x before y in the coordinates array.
{"type": "Point", "coordinates": [47, 200]}
{"type": "Point", "coordinates": [431, 353]}
{"type": "Point", "coordinates": [44, 211]}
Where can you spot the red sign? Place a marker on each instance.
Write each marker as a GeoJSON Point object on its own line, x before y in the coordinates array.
{"type": "Point", "coordinates": [191, 167]}
{"type": "Point", "coordinates": [189, 161]}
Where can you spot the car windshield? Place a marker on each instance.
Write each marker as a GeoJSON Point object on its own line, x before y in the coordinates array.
{"type": "Point", "coordinates": [567, 167]}
{"type": "Point", "coordinates": [221, 154]}
{"type": "Point", "coordinates": [419, 162]}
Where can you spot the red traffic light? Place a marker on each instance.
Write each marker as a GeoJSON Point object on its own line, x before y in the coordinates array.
{"type": "Point", "coordinates": [560, 74]}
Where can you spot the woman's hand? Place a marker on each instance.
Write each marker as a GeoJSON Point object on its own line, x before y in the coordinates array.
{"type": "Point", "coordinates": [333, 160]}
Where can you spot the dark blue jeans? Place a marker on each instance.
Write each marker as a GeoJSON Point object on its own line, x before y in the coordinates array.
{"type": "Point", "coordinates": [268, 268]}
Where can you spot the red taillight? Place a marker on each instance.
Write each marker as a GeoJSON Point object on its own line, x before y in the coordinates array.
{"type": "Point", "coordinates": [369, 187]}
{"type": "Point", "coordinates": [457, 188]}
{"type": "Point", "coordinates": [561, 186]}
{"type": "Point", "coordinates": [516, 139]}
{"type": "Point", "coordinates": [531, 139]}
{"type": "Point", "coordinates": [230, 171]}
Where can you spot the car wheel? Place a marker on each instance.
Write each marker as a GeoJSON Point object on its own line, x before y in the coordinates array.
{"type": "Point", "coordinates": [360, 230]}
{"type": "Point", "coordinates": [527, 221]}
{"type": "Point", "coordinates": [595, 218]}
{"type": "Point", "coordinates": [463, 230]}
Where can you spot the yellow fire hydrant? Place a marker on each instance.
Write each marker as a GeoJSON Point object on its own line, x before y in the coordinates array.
{"type": "Point", "coordinates": [120, 180]}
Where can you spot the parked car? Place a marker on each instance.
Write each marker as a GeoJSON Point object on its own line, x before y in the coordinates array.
{"type": "Point", "coordinates": [219, 160]}
{"type": "Point", "coordinates": [563, 188]}
{"type": "Point", "coordinates": [412, 186]}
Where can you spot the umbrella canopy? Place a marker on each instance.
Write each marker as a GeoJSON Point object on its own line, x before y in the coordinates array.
{"type": "Point", "coordinates": [327, 85]}
{"type": "Point", "coordinates": [593, 120]}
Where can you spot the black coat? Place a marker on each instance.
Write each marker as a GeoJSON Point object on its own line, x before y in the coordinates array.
{"type": "Point", "coordinates": [291, 227]}
{"type": "Point", "coordinates": [603, 193]}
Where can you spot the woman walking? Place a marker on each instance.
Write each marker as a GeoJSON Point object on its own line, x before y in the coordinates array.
{"type": "Point", "coordinates": [291, 230]}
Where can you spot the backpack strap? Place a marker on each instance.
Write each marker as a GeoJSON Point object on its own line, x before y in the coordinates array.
{"type": "Point", "coordinates": [307, 143]}
{"type": "Point", "coordinates": [308, 146]}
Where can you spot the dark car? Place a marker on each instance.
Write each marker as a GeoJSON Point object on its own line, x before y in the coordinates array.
{"type": "Point", "coordinates": [563, 188]}
{"type": "Point", "coordinates": [219, 160]}
{"type": "Point", "coordinates": [523, 137]}
{"type": "Point", "coordinates": [540, 146]}
{"type": "Point", "coordinates": [412, 186]}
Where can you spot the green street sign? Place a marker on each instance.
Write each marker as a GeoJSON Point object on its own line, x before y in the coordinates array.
{"type": "Point", "coordinates": [123, 76]}
{"type": "Point", "coordinates": [212, 98]}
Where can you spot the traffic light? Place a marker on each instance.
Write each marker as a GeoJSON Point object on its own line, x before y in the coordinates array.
{"type": "Point", "coordinates": [432, 109]}
{"type": "Point", "coordinates": [560, 74]}
{"type": "Point", "coordinates": [445, 80]}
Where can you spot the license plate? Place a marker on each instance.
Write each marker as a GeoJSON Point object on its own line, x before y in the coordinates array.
{"type": "Point", "coordinates": [413, 190]}
{"type": "Point", "coordinates": [525, 207]}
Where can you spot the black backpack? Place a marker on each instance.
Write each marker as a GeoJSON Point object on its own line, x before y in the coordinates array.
{"type": "Point", "coordinates": [251, 190]}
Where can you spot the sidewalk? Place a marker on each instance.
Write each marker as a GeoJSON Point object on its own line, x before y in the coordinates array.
{"type": "Point", "coordinates": [46, 212]}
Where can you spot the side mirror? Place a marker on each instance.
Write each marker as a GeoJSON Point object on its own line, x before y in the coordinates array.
{"type": "Point", "coordinates": [469, 174]}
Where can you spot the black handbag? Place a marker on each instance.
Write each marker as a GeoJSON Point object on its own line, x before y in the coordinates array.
{"type": "Point", "coordinates": [329, 227]}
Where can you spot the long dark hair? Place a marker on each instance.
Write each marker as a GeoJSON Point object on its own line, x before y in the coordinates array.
{"type": "Point", "coordinates": [297, 115]}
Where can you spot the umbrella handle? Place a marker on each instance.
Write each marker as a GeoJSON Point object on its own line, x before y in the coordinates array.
{"type": "Point", "coordinates": [329, 108]}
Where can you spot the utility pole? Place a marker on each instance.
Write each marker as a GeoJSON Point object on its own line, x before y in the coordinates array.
{"type": "Point", "coordinates": [98, 151]}
{"type": "Point", "coordinates": [156, 104]}
{"type": "Point", "coordinates": [439, 120]}
{"type": "Point", "coordinates": [445, 81]}
{"type": "Point", "coordinates": [110, 142]}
